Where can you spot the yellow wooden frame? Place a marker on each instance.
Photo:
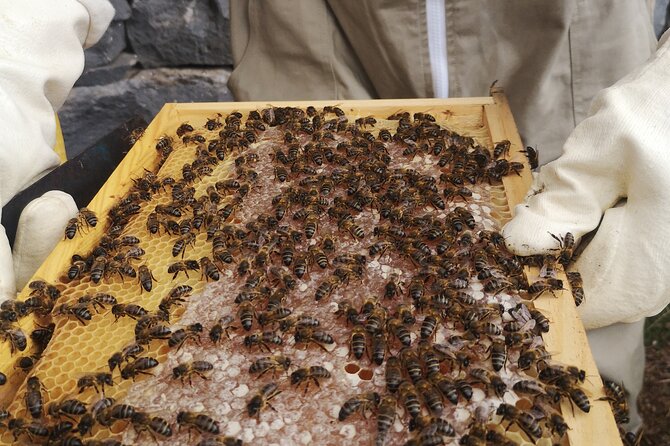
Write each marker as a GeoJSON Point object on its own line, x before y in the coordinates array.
{"type": "Point", "coordinates": [566, 339]}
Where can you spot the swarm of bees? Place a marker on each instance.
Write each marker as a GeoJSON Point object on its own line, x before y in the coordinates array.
{"type": "Point", "coordinates": [332, 184]}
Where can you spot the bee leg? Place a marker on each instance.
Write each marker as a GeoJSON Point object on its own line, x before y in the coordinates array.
{"type": "Point", "coordinates": [142, 372]}
{"type": "Point", "coordinates": [321, 346]}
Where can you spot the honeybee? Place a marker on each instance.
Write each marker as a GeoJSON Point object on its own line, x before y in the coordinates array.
{"type": "Point", "coordinates": [214, 123]}
{"type": "Point", "coordinates": [12, 310]}
{"type": "Point", "coordinates": [365, 121]}
{"type": "Point", "coordinates": [164, 146]}
{"type": "Point", "coordinates": [187, 370]}
{"type": "Point", "coordinates": [393, 287]}
{"type": "Point", "coordinates": [578, 397]}
{"type": "Point", "coordinates": [532, 155]}
{"type": "Point", "coordinates": [180, 336]}
{"type": "Point", "coordinates": [531, 356]}
{"type": "Point", "coordinates": [344, 274]}
{"type": "Point", "coordinates": [318, 256]}
{"type": "Point", "coordinates": [307, 335]}
{"type": "Point", "coordinates": [431, 396]}
{"type": "Point", "coordinates": [33, 396]}
{"type": "Point", "coordinates": [97, 300]}
{"type": "Point", "coordinates": [360, 403]}
{"type": "Point", "coordinates": [379, 248]}
{"type": "Point", "coordinates": [539, 287]}
{"type": "Point", "coordinates": [138, 367]}
{"type": "Point", "coordinates": [498, 355]}
{"type": "Point", "coordinates": [358, 342]}
{"type": "Point", "coordinates": [501, 149]}
{"type": "Point", "coordinates": [183, 129]}
{"type": "Point", "coordinates": [222, 326]}
{"type": "Point", "coordinates": [566, 247]}
{"type": "Point", "coordinates": [198, 421]}
{"type": "Point", "coordinates": [246, 313]}
{"type": "Point", "coordinates": [386, 413]}
{"type": "Point", "coordinates": [101, 411]}
{"type": "Point", "coordinates": [376, 319]}
{"type": "Point", "coordinates": [72, 228]}
{"type": "Point", "coordinates": [133, 311]}
{"type": "Point", "coordinates": [19, 427]}
{"type": "Point", "coordinates": [262, 340]}
{"type": "Point", "coordinates": [410, 362]}
{"type": "Point", "coordinates": [430, 426]}
{"type": "Point", "coordinates": [429, 324]}
{"type": "Point", "coordinates": [118, 358]}
{"type": "Point", "coordinates": [405, 314]}
{"type": "Point", "coordinates": [524, 420]}
{"type": "Point", "coordinates": [270, 363]}
{"type": "Point", "coordinates": [548, 269]}
{"type": "Point", "coordinates": [301, 265]}
{"type": "Point", "coordinates": [410, 399]}
{"type": "Point", "coordinates": [76, 270]}
{"type": "Point", "coordinates": [66, 408]}
{"type": "Point", "coordinates": [352, 228]}
{"type": "Point", "coordinates": [94, 380]}
{"type": "Point", "coordinates": [311, 374]}
{"type": "Point", "coordinates": [327, 287]}
{"type": "Point", "coordinates": [379, 347]}
{"type": "Point", "coordinates": [274, 315]}
{"type": "Point", "coordinates": [153, 223]}
{"type": "Point", "coordinates": [576, 284]}
{"type": "Point", "coordinates": [541, 321]}
{"type": "Point", "coordinates": [262, 399]}
{"type": "Point", "coordinates": [143, 422]}
{"type": "Point", "coordinates": [180, 291]}
{"type": "Point", "coordinates": [393, 374]}
{"type": "Point", "coordinates": [209, 269]}
{"type": "Point", "coordinates": [398, 329]}
{"type": "Point", "coordinates": [42, 335]}
{"type": "Point", "coordinates": [182, 242]}
{"type": "Point", "coordinates": [416, 288]}
{"type": "Point", "coordinates": [98, 268]}
{"type": "Point", "coordinates": [146, 278]}
{"type": "Point", "coordinates": [79, 310]}
{"type": "Point", "coordinates": [183, 266]}
{"type": "Point", "coordinates": [528, 387]}
{"type": "Point", "coordinates": [558, 425]}
{"type": "Point", "coordinates": [490, 379]}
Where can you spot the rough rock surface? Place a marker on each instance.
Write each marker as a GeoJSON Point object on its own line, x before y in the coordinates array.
{"type": "Point", "coordinates": [108, 47]}
{"type": "Point", "coordinates": [118, 69]}
{"type": "Point", "coordinates": [92, 112]}
{"type": "Point", "coordinates": [180, 32]}
{"type": "Point", "coordinates": [122, 9]}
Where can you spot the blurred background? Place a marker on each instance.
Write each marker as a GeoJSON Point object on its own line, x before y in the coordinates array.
{"type": "Point", "coordinates": [159, 51]}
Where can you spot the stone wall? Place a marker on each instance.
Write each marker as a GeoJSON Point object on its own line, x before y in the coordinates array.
{"type": "Point", "coordinates": [155, 51]}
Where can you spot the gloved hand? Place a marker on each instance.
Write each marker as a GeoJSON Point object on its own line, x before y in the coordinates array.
{"type": "Point", "coordinates": [622, 150]}
{"type": "Point", "coordinates": [41, 56]}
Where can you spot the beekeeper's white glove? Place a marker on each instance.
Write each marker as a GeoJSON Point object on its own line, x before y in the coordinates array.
{"type": "Point", "coordinates": [41, 56]}
{"type": "Point", "coordinates": [622, 150]}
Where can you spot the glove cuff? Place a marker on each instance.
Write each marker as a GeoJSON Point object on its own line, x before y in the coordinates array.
{"type": "Point", "coordinates": [40, 228]}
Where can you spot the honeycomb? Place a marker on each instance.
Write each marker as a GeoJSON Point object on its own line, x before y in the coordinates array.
{"type": "Point", "coordinates": [300, 415]}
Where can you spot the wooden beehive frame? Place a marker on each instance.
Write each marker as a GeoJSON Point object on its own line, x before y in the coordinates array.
{"type": "Point", "coordinates": [566, 340]}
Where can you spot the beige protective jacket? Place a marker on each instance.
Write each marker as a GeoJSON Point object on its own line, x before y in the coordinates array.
{"type": "Point", "coordinates": [550, 56]}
